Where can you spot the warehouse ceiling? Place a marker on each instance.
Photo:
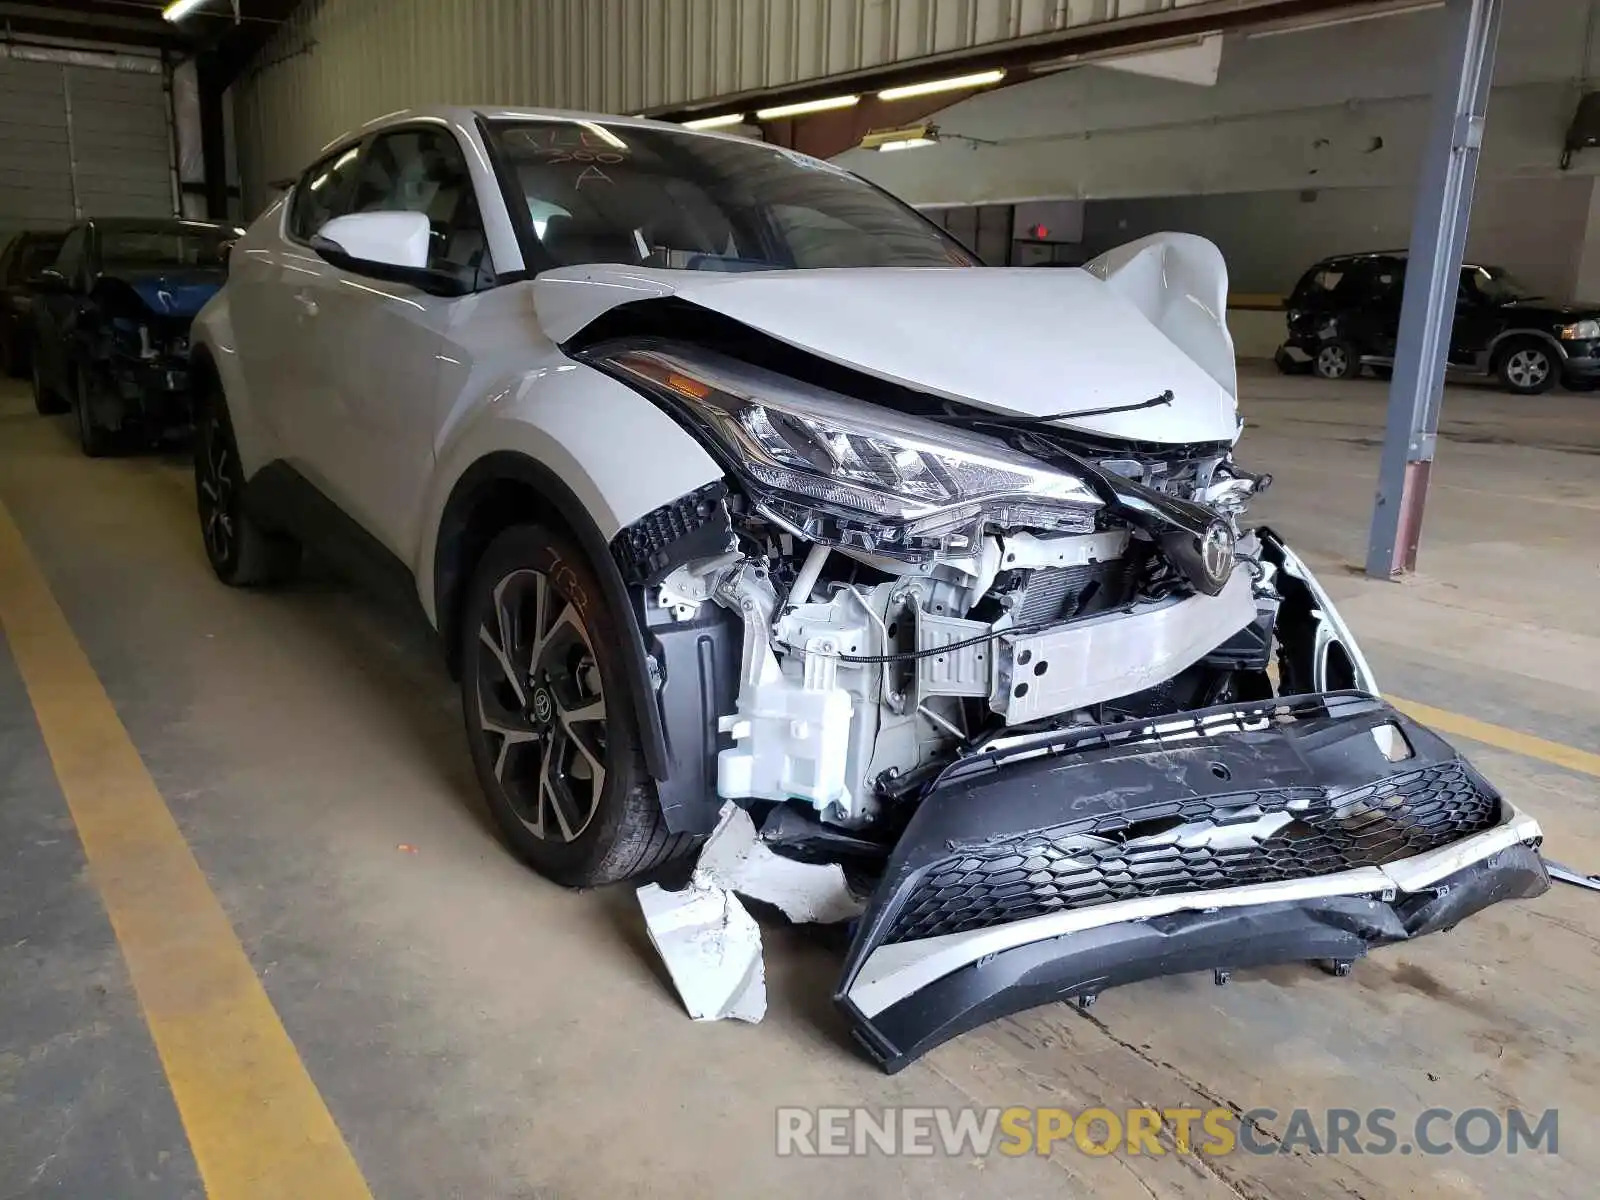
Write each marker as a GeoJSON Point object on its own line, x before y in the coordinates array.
{"type": "Point", "coordinates": [211, 27]}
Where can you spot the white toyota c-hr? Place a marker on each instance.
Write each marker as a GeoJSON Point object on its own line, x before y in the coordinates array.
{"type": "Point", "coordinates": [724, 476]}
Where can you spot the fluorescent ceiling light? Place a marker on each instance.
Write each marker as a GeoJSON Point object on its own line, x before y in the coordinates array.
{"type": "Point", "coordinates": [980, 79]}
{"type": "Point", "coordinates": [905, 137]}
{"type": "Point", "coordinates": [805, 106]}
{"type": "Point", "coordinates": [180, 9]}
{"type": "Point", "coordinates": [715, 122]}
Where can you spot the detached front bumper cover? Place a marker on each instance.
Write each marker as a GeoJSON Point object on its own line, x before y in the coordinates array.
{"type": "Point", "coordinates": [1299, 829]}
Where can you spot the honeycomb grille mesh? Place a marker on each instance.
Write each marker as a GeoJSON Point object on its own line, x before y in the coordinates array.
{"type": "Point", "coordinates": [1195, 845]}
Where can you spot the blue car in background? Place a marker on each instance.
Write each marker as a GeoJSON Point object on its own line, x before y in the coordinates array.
{"type": "Point", "coordinates": [111, 323]}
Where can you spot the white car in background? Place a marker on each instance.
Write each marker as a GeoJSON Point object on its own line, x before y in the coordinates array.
{"type": "Point", "coordinates": [724, 476]}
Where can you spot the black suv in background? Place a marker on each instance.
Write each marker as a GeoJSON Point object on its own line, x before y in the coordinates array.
{"type": "Point", "coordinates": [1345, 314]}
{"type": "Point", "coordinates": [25, 256]}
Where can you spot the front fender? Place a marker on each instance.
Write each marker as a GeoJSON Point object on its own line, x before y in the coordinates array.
{"type": "Point", "coordinates": [1537, 334]}
{"type": "Point", "coordinates": [617, 453]}
{"type": "Point", "coordinates": [211, 340]}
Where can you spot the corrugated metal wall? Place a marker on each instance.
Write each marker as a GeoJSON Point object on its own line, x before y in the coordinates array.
{"type": "Point", "coordinates": [35, 181]}
{"type": "Point", "coordinates": [121, 138]}
{"type": "Point", "coordinates": [340, 62]}
{"type": "Point", "coordinates": [81, 141]}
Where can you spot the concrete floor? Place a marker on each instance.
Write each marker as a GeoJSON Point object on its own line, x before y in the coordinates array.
{"type": "Point", "coordinates": [479, 1033]}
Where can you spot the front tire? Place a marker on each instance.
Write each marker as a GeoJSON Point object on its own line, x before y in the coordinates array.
{"type": "Point", "coordinates": [550, 720]}
{"type": "Point", "coordinates": [95, 439]}
{"type": "Point", "coordinates": [1527, 368]}
{"type": "Point", "coordinates": [1336, 359]}
{"type": "Point", "coordinates": [241, 553]}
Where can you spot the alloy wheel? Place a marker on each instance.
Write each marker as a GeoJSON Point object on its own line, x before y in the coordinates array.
{"type": "Point", "coordinates": [1332, 362]}
{"type": "Point", "coordinates": [542, 706]}
{"type": "Point", "coordinates": [1528, 368]}
{"type": "Point", "coordinates": [215, 491]}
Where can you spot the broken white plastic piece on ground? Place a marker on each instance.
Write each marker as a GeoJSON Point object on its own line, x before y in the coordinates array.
{"type": "Point", "coordinates": [736, 859]}
{"type": "Point", "coordinates": [712, 948]}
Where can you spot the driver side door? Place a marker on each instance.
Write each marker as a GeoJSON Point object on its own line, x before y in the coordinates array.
{"type": "Point", "coordinates": [384, 347]}
{"type": "Point", "coordinates": [55, 314]}
{"type": "Point", "coordinates": [1477, 322]}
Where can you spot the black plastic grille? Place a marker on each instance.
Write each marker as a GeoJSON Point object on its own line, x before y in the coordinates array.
{"type": "Point", "coordinates": [692, 526]}
{"type": "Point", "coordinates": [1195, 845]}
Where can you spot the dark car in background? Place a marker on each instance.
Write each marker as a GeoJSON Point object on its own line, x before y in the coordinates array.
{"type": "Point", "coordinates": [24, 257]}
{"type": "Point", "coordinates": [1345, 315]}
{"type": "Point", "coordinates": [111, 325]}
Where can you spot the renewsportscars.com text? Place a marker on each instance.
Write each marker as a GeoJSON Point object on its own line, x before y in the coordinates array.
{"type": "Point", "coordinates": [972, 1132]}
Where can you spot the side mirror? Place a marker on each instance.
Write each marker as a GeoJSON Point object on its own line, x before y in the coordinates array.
{"type": "Point", "coordinates": [385, 245]}
{"type": "Point", "coordinates": [394, 239]}
{"type": "Point", "coordinates": [49, 280]}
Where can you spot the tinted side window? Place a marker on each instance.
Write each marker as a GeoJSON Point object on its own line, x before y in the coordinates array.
{"type": "Point", "coordinates": [70, 262]}
{"type": "Point", "coordinates": [323, 193]}
{"type": "Point", "coordinates": [1386, 282]}
{"type": "Point", "coordinates": [1318, 285]}
{"type": "Point", "coordinates": [424, 171]}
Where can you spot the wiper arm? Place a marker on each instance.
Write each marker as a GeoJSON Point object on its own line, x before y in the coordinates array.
{"type": "Point", "coordinates": [1016, 422]}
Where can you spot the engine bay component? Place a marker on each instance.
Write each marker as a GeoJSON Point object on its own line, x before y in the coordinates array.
{"type": "Point", "coordinates": [1102, 658]}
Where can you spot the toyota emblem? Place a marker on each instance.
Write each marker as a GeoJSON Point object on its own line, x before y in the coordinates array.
{"type": "Point", "coordinates": [1216, 552]}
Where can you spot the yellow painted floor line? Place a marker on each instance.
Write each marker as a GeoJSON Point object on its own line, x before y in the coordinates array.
{"type": "Point", "coordinates": [257, 1124]}
{"type": "Point", "coordinates": [1500, 737]}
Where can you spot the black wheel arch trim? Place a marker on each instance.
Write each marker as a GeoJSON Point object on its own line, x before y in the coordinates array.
{"type": "Point", "coordinates": [1537, 335]}
{"type": "Point", "coordinates": [450, 575]}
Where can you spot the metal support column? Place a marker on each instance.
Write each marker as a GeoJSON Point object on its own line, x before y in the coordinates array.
{"type": "Point", "coordinates": [1438, 240]}
{"type": "Point", "coordinates": [213, 137]}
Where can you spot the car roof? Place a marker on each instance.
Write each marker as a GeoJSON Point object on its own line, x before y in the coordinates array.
{"type": "Point", "coordinates": [468, 115]}
{"type": "Point", "coordinates": [1371, 255]}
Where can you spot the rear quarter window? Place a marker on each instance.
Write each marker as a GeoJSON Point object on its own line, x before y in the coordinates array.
{"type": "Point", "coordinates": [1319, 284]}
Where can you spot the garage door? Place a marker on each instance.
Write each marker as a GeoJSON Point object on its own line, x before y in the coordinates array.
{"type": "Point", "coordinates": [81, 141]}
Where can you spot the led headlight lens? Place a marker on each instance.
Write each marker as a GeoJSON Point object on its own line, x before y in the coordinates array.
{"type": "Point", "coordinates": [1580, 331]}
{"type": "Point", "coordinates": [904, 485]}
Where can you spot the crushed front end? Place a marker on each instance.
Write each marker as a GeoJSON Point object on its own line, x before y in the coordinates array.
{"type": "Point", "coordinates": [1065, 719]}
{"type": "Point", "coordinates": [137, 351]}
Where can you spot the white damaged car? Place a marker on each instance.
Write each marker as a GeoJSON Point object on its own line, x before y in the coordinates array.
{"type": "Point", "coordinates": [724, 476]}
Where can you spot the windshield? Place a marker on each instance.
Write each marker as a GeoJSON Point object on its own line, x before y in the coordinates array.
{"type": "Point", "coordinates": [660, 198]}
{"type": "Point", "coordinates": [165, 246]}
{"type": "Point", "coordinates": [1496, 285]}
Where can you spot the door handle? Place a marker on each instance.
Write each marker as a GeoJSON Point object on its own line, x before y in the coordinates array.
{"type": "Point", "coordinates": [307, 303]}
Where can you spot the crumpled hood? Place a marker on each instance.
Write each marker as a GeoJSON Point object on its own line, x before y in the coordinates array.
{"type": "Point", "coordinates": [1025, 341]}
{"type": "Point", "coordinates": [172, 291]}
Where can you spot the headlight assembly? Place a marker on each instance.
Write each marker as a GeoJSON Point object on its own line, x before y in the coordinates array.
{"type": "Point", "coordinates": [839, 470]}
{"type": "Point", "coordinates": [1580, 331]}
